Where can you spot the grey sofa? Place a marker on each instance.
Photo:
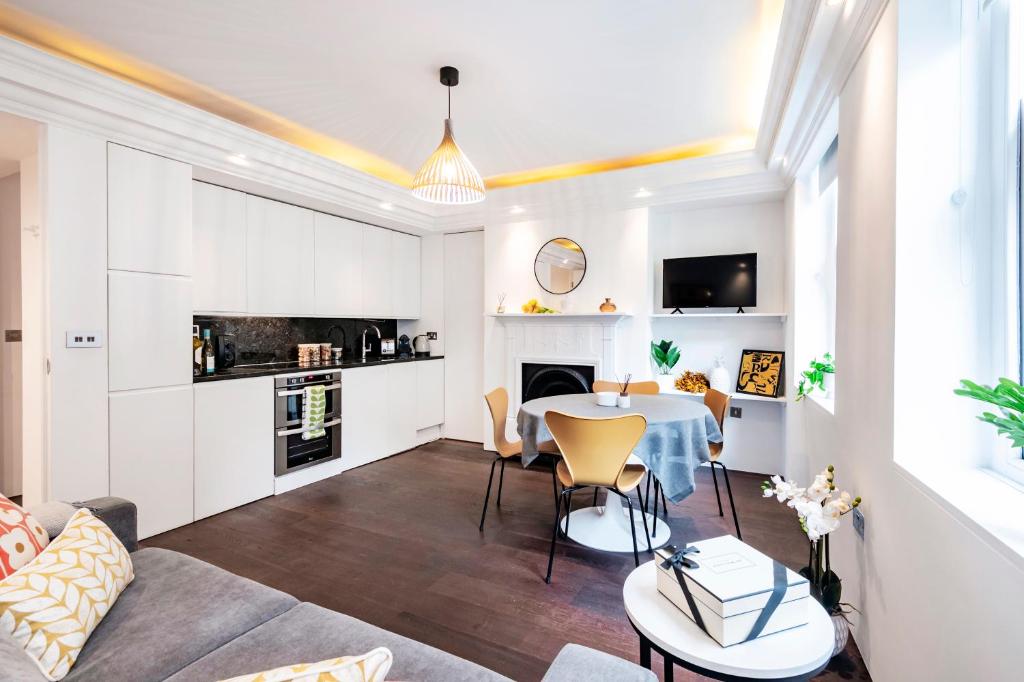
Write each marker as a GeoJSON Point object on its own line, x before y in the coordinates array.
{"type": "Point", "coordinates": [182, 619]}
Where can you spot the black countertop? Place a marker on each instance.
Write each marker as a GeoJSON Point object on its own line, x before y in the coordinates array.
{"type": "Point", "coordinates": [273, 368]}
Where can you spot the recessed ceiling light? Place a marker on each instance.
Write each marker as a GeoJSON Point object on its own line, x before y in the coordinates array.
{"type": "Point", "coordinates": [387, 205]}
{"type": "Point", "coordinates": [516, 210]}
{"type": "Point", "coordinates": [642, 193]}
{"type": "Point", "coordinates": [239, 159]}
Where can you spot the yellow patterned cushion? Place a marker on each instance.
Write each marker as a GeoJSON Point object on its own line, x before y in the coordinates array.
{"type": "Point", "coordinates": [371, 667]}
{"type": "Point", "coordinates": [51, 605]}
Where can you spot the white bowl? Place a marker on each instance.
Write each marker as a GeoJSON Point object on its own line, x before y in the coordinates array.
{"type": "Point", "coordinates": [606, 398]}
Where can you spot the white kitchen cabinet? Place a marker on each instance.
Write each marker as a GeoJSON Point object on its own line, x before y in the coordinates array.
{"type": "Point", "coordinates": [400, 409]}
{"type": "Point", "coordinates": [339, 266]}
{"type": "Point", "coordinates": [149, 212]}
{"type": "Point", "coordinates": [405, 250]}
{"type": "Point", "coordinates": [149, 319]}
{"type": "Point", "coordinates": [364, 415]}
{"type": "Point", "coordinates": [218, 249]}
{"type": "Point", "coordinates": [378, 273]}
{"type": "Point", "coordinates": [234, 443]}
{"type": "Point", "coordinates": [151, 455]}
{"type": "Point", "coordinates": [429, 393]}
{"type": "Point", "coordinates": [279, 258]}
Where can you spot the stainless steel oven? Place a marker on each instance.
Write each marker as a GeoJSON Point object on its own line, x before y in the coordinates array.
{"type": "Point", "coordinates": [291, 451]}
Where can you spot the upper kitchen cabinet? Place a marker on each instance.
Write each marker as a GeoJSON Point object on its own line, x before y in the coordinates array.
{"type": "Point", "coordinates": [338, 266]}
{"type": "Point", "coordinates": [405, 251]}
{"type": "Point", "coordinates": [378, 272]}
{"type": "Point", "coordinates": [279, 258]}
{"type": "Point", "coordinates": [149, 207]}
{"type": "Point", "coordinates": [218, 249]}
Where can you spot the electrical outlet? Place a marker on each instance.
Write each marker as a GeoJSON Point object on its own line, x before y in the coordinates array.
{"type": "Point", "coordinates": [858, 522]}
{"type": "Point", "coordinates": [84, 339]}
{"type": "Point", "coordinates": [431, 336]}
{"type": "Point", "coordinates": [736, 412]}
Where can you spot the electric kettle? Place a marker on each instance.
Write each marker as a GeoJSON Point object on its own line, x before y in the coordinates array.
{"type": "Point", "coordinates": [421, 345]}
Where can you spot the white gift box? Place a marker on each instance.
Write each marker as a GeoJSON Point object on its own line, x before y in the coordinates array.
{"type": "Point", "coordinates": [731, 586]}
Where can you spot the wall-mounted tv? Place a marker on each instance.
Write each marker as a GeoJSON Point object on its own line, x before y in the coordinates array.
{"type": "Point", "coordinates": [728, 281]}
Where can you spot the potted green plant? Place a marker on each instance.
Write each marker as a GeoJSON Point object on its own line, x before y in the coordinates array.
{"type": "Point", "coordinates": [820, 509]}
{"type": "Point", "coordinates": [1008, 396]}
{"type": "Point", "coordinates": [820, 374]}
{"type": "Point", "coordinates": [665, 355]}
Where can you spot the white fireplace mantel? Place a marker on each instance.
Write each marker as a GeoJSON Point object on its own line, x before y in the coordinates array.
{"type": "Point", "coordinates": [561, 318]}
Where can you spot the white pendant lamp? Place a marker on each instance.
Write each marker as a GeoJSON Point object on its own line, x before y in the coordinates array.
{"type": "Point", "coordinates": [448, 177]}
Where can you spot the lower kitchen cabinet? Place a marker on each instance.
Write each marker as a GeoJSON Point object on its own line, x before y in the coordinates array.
{"type": "Point", "coordinates": [381, 410]}
{"type": "Point", "coordinates": [429, 393]}
{"type": "Point", "coordinates": [234, 443]}
{"type": "Point", "coordinates": [151, 455]}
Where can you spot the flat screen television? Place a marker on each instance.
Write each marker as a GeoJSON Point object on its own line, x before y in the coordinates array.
{"type": "Point", "coordinates": [728, 281]}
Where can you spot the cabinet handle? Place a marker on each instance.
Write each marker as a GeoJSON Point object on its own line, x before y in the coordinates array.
{"type": "Point", "coordinates": [299, 391]}
{"type": "Point", "coordinates": [292, 432]}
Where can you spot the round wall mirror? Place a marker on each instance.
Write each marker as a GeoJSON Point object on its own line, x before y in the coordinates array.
{"type": "Point", "coordinates": [560, 266]}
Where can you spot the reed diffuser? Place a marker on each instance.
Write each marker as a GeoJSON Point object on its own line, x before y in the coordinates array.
{"type": "Point", "coordinates": [623, 399]}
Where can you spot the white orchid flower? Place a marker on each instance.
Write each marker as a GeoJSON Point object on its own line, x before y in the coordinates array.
{"type": "Point", "coordinates": [820, 489]}
{"type": "Point", "coordinates": [783, 490]}
{"type": "Point", "coordinates": [817, 522]}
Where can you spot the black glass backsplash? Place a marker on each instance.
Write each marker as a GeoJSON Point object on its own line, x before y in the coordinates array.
{"type": "Point", "coordinates": [276, 339]}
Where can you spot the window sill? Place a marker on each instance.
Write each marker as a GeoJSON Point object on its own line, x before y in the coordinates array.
{"type": "Point", "coordinates": [983, 499]}
{"type": "Point", "coordinates": [827, 404]}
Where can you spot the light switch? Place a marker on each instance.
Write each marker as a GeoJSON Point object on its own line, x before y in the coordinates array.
{"type": "Point", "coordinates": [84, 339]}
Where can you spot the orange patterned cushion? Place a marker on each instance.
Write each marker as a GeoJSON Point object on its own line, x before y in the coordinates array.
{"type": "Point", "coordinates": [21, 537]}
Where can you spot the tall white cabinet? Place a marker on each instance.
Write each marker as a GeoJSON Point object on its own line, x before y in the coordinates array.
{"type": "Point", "coordinates": [279, 258]}
{"type": "Point", "coordinates": [149, 311]}
{"type": "Point", "coordinates": [405, 256]}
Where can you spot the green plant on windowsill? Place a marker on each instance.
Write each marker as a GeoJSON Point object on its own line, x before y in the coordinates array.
{"type": "Point", "coordinates": [665, 356]}
{"type": "Point", "coordinates": [1008, 396]}
{"type": "Point", "coordinates": [814, 376]}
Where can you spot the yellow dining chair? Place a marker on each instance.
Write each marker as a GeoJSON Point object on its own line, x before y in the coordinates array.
{"type": "Point", "coordinates": [497, 403]}
{"type": "Point", "coordinates": [635, 388]}
{"type": "Point", "coordinates": [594, 454]}
{"type": "Point", "coordinates": [718, 403]}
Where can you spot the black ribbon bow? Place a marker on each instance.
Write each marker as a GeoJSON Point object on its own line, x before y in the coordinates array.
{"type": "Point", "coordinates": [679, 557]}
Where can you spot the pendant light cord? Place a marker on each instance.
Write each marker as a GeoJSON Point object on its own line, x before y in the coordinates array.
{"type": "Point", "coordinates": [449, 102]}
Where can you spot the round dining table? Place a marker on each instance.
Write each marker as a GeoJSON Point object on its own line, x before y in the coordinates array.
{"type": "Point", "coordinates": [673, 446]}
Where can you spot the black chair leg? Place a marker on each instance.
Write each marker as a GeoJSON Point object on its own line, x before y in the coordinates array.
{"type": "Point", "coordinates": [643, 515]}
{"type": "Point", "coordinates": [664, 504]}
{"type": "Point", "coordinates": [487, 497]}
{"type": "Point", "coordinates": [554, 536]}
{"type": "Point", "coordinates": [714, 477]}
{"type": "Point", "coordinates": [647, 493]}
{"type": "Point", "coordinates": [654, 529]}
{"type": "Point", "coordinates": [501, 482]}
{"type": "Point", "coordinates": [554, 480]}
{"type": "Point", "coordinates": [632, 527]}
{"type": "Point", "coordinates": [568, 512]}
{"type": "Point", "coordinates": [595, 497]}
{"type": "Point", "coordinates": [728, 489]}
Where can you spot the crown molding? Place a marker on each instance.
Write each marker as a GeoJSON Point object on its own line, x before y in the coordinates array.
{"type": "Point", "coordinates": [835, 39]}
{"type": "Point", "coordinates": [50, 90]}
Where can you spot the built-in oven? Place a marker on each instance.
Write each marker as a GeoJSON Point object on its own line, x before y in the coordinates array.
{"type": "Point", "coordinates": [293, 450]}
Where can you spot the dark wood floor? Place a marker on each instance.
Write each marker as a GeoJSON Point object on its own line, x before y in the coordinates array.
{"type": "Point", "coordinates": [395, 543]}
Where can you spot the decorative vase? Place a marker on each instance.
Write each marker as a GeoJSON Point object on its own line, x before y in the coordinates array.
{"type": "Point", "coordinates": [829, 382]}
{"type": "Point", "coordinates": [622, 401]}
{"type": "Point", "coordinates": [718, 377]}
{"type": "Point", "coordinates": [501, 310]}
{"type": "Point", "coordinates": [666, 382]}
{"type": "Point", "coordinates": [842, 629]}
{"type": "Point", "coordinates": [608, 306]}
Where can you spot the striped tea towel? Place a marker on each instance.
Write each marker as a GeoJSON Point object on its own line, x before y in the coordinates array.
{"type": "Point", "coordinates": [314, 406]}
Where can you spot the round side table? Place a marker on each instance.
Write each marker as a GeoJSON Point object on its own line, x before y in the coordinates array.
{"type": "Point", "coordinates": [793, 655]}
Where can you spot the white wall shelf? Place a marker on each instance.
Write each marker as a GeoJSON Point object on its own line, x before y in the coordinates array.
{"type": "Point", "coordinates": [686, 316]}
{"type": "Point", "coordinates": [554, 317]}
{"type": "Point", "coordinates": [732, 396]}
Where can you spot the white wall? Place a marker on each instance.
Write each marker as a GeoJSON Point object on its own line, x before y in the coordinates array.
{"type": "Point", "coordinates": [755, 441]}
{"type": "Point", "coordinates": [73, 168]}
{"type": "Point", "coordinates": [937, 599]}
{"type": "Point", "coordinates": [10, 318]}
{"type": "Point", "coordinates": [34, 398]}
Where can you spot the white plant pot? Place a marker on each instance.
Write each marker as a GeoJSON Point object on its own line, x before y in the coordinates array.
{"type": "Point", "coordinates": [829, 382]}
{"type": "Point", "coordinates": [666, 382]}
{"type": "Point", "coordinates": [623, 401]}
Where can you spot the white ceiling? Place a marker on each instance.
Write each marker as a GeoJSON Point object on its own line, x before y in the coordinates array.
{"type": "Point", "coordinates": [543, 82]}
{"type": "Point", "coordinates": [17, 142]}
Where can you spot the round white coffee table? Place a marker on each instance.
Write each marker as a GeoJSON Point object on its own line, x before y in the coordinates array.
{"type": "Point", "coordinates": [797, 654]}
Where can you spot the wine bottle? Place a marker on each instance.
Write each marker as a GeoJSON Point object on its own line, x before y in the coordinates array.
{"type": "Point", "coordinates": [197, 355]}
{"type": "Point", "coordinates": [209, 361]}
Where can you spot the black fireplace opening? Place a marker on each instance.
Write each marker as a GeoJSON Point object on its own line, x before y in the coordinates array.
{"type": "Point", "coordinates": [543, 380]}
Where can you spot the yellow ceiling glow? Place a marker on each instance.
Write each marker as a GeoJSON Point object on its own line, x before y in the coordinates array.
{"type": "Point", "coordinates": [44, 35]}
